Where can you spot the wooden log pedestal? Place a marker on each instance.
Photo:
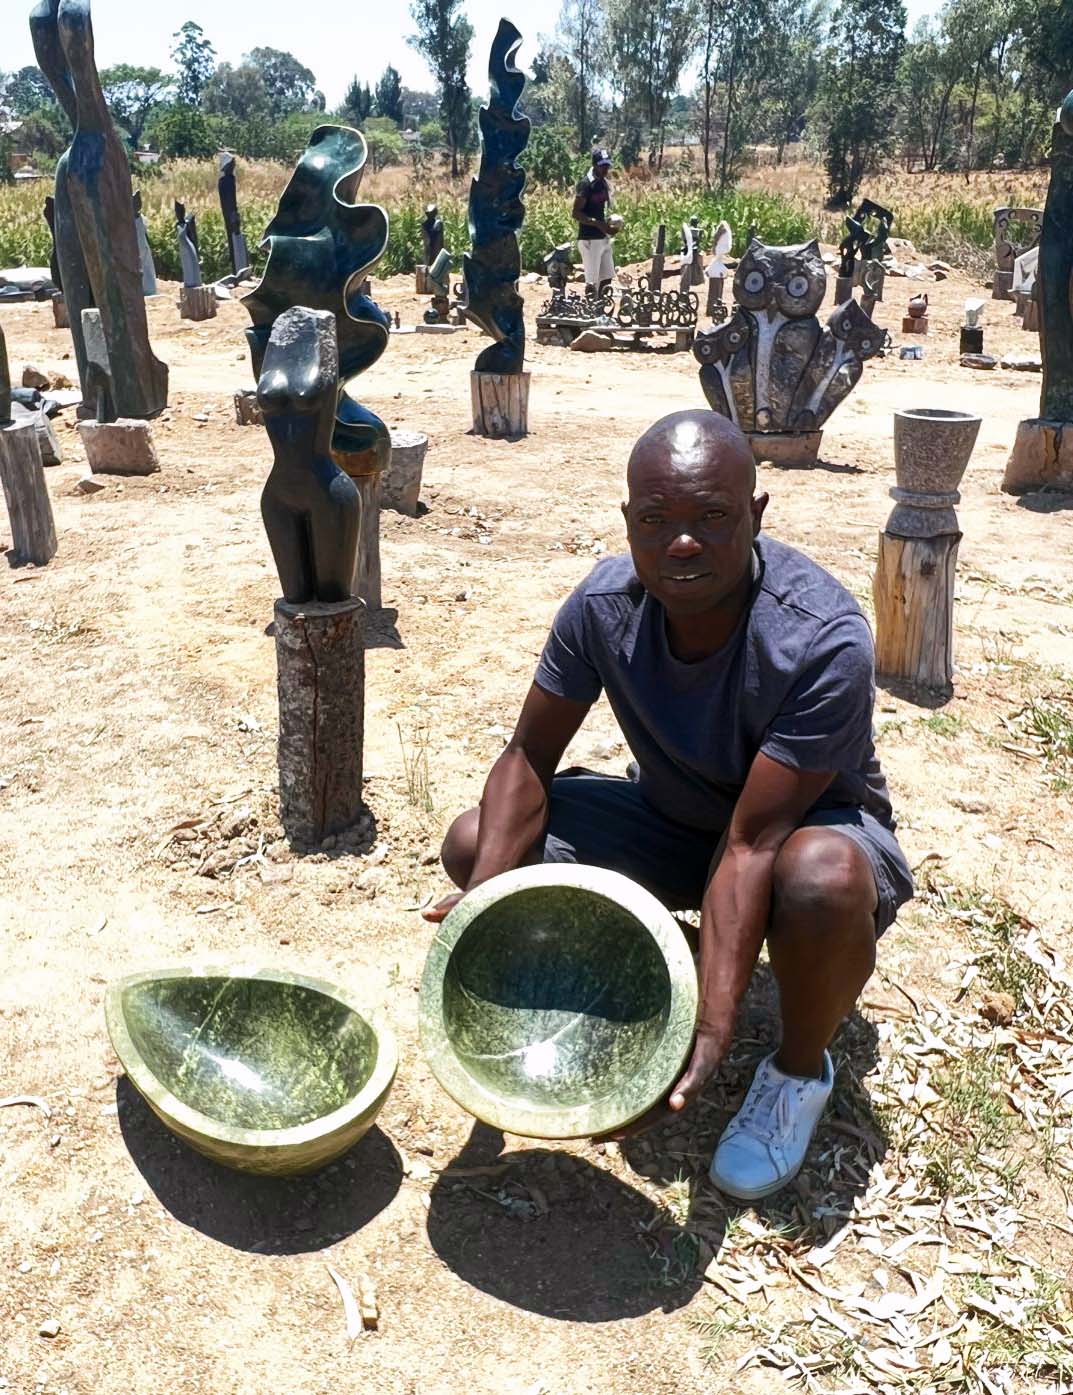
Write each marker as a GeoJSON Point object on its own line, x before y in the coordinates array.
{"type": "Point", "coordinates": [60, 317]}
{"type": "Point", "coordinates": [500, 404]}
{"type": "Point", "coordinates": [1002, 286]}
{"type": "Point", "coordinates": [320, 658]}
{"type": "Point", "coordinates": [422, 285]}
{"type": "Point", "coordinates": [197, 303]}
{"type": "Point", "coordinates": [1042, 457]}
{"type": "Point", "coordinates": [914, 324]}
{"type": "Point", "coordinates": [400, 484]}
{"type": "Point", "coordinates": [913, 589]}
{"type": "Point", "coordinates": [29, 509]}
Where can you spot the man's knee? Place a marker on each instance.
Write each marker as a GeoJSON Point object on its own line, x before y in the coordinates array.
{"type": "Point", "coordinates": [824, 877]}
{"type": "Point", "coordinates": [460, 847]}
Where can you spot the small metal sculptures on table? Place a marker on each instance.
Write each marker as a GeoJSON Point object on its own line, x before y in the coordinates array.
{"type": "Point", "coordinates": [96, 243]}
{"type": "Point", "coordinates": [321, 244]}
{"type": "Point", "coordinates": [236, 242]}
{"type": "Point", "coordinates": [491, 267]}
{"type": "Point", "coordinates": [145, 254]}
{"type": "Point", "coordinates": [1007, 250]}
{"type": "Point", "coordinates": [771, 368]}
{"type": "Point", "coordinates": [1042, 454]}
{"type": "Point", "coordinates": [915, 320]}
{"type": "Point", "coordinates": [196, 300]}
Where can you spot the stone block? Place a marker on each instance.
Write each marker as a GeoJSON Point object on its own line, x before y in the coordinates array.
{"type": "Point", "coordinates": [197, 303]}
{"type": "Point", "coordinates": [1042, 457]}
{"type": "Point", "coordinates": [123, 447]}
{"type": "Point", "coordinates": [917, 325]}
{"type": "Point", "coordinates": [791, 448]}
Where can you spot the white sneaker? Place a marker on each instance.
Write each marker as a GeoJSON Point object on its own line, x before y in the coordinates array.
{"type": "Point", "coordinates": [764, 1145]}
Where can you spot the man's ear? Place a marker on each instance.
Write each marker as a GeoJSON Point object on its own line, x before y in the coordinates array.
{"type": "Point", "coordinates": [759, 504]}
{"type": "Point", "coordinates": [625, 507]}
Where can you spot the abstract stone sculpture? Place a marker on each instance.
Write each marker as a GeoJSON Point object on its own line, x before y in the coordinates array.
{"type": "Point", "coordinates": [1007, 250]}
{"type": "Point", "coordinates": [263, 1071]}
{"type": "Point", "coordinates": [496, 213]}
{"type": "Point", "coordinates": [771, 368]}
{"type": "Point", "coordinates": [96, 243]}
{"type": "Point", "coordinates": [558, 1002]}
{"type": "Point", "coordinates": [189, 256]}
{"type": "Point", "coordinates": [558, 264]}
{"type": "Point", "coordinates": [145, 254]}
{"type": "Point", "coordinates": [5, 381]}
{"type": "Point", "coordinates": [310, 506]}
{"type": "Point", "coordinates": [432, 233]}
{"type": "Point", "coordinates": [236, 242]}
{"type": "Point", "coordinates": [53, 260]}
{"type": "Point", "coordinates": [322, 242]}
{"type": "Point", "coordinates": [1042, 455]}
{"type": "Point", "coordinates": [439, 285]}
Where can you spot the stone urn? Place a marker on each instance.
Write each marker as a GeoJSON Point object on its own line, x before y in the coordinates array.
{"type": "Point", "coordinates": [931, 452]}
{"type": "Point", "coordinates": [918, 307]}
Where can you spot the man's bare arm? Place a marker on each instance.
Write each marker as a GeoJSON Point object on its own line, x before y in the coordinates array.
{"type": "Point", "coordinates": [585, 221]}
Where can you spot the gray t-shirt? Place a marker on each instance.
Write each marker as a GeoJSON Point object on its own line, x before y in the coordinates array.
{"type": "Point", "coordinates": [796, 680]}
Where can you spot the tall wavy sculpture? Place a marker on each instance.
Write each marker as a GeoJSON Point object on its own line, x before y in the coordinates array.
{"type": "Point", "coordinates": [496, 212]}
{"type": "Point", "coordinates": [322, 242]}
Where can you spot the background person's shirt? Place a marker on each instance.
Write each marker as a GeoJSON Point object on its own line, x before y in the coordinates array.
{"type": "Point", "coordinates": [796, 681]}
{"type": "Point", "coordinates": [597, 195]}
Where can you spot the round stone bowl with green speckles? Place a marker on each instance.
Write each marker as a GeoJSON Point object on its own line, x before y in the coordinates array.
{"type": "Point", "coordinates": [260, 1070]}
{"type": "Point", "coordinates": [558, 1001]}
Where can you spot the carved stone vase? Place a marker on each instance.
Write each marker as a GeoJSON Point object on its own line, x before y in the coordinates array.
{"type": "Point", "coordinates": [932, 447]}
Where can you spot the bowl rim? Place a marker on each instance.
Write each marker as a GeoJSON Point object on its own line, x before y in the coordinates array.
{"type": "Point", "coordinates": [168, 1105]}
{"type": "Point", "coordinates": [946, 416]}
{"type": "Point", "coordinates": [574, 1121]}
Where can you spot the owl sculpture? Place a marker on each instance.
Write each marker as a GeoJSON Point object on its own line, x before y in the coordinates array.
{"type": "Point", "coordinates": [771, 368]}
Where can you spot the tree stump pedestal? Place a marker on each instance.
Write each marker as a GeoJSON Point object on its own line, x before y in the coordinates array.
{"type": "Point", "coordinates": [1042, 457]}
{"type": "Point", "coordinates": [33, 531]}
{"type": "Point", "coordinates": [320, 658]}
{"type": "Point", "coordinates": [913, 589]}
{"type": "Point", "coordinates": [197, 303]}
{"type": "Point", "coordinates": [422, 285]}
{"type": "Point", "coordinates": [60, 317]}
{"type": "Point", "coordinates": [500, 404]}
{"type": "Point", "coordinates": [400, 484]}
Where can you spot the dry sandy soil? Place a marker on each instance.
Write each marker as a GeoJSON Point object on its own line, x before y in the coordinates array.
{"type": "Point", "coordinates": [137, 692]}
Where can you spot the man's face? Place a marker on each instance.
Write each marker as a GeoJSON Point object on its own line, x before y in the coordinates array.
{"type": "Point", "coordinates": [691, 527]}
{"type": "Point", "coordinates": [602, 171]}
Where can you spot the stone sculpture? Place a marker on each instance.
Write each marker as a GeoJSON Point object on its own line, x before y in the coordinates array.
{"type": "Point", "coordinates": [236, 242]}
{"type": "Point", "coordinates": [439, 283]}
{"type": "Point", "coordinates": [496, 212]}
{"type": "Point", "coordinates": [145, 255]}
{"type": "Point", "coordinates": [310, 507]}
{"type": "Point", "coordinates": [771, 368]}
{"type": "Point", "coordinates": [53, 259]}
{"type": "Point", "coordinates": [189, 256]}
{"type": "Point", "coordinates": [716, 270]}
{"type": "Point", "coordinates": [558, 263]}
{"type": "Point", "coordinates": [96, 243]}
{"type": "Point", "coordinates": [432, 234]}
{"type": "Point", "coordinates": [1007, 250]}
{"type": "Point", "coordinates": [867, 231]}
{"type": "Point", "coordinates": [1043, 451]}
{"type": "Point", "coordinates": [321, 244]}
{"type": "Point", "coordinates": [915, 320]}
{"type": "Point", "coordinates": [5, 382]}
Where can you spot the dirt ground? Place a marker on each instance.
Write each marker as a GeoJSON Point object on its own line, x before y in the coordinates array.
{"type": "Point", "coordinates": [137, 694]}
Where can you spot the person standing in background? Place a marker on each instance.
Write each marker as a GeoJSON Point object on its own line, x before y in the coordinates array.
{"type": "Point", "coordinates": [592, 206]}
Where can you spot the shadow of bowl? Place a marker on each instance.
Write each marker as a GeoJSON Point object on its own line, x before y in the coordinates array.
{"type": "Point", "coordinates": [260, 1070]}
{"type": "Point", "coordinates": [558, 1001]}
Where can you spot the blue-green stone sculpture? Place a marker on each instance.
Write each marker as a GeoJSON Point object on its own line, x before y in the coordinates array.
{"type": "Point", "coordinates": [53, 260]}
{"type": "Point", "coordinates": [496, 213]}
{"type": "Point", "coordinates": [96, 242]}
{"type": "Point", "coordinates": [310, 508]}
{"type": "Point", "coordinates": [5, 382]}
{"type": "Point", "coordinates": [322, 243]}
{"type": "Point", "coordinates": [1055, 275]}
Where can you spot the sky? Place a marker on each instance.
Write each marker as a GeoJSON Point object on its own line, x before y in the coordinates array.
{"type": "Point", "coordinates": [346, 40]}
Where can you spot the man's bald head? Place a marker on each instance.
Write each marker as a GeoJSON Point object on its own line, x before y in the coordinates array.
{"type": "Point", "coordinates": [699, 445]}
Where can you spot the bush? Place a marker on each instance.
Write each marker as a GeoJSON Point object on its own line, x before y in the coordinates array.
{"type": "Point", "coordinates": [548, 156]}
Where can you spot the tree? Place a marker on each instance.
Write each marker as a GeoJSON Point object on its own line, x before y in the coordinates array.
{"type": "Point", "coordinates": [928, 75]}
{"type": "Point", "coordinates": [195, 59]}
{"type": "Point", "coordinates": [389, 96]}
{"type": "Point", "coordinates": [358, 102]}
{"type": "Point", "coordinates": [443, 39]}
{"type": "Point", "coordinates": [735, 58]}
{"type": "Point", "coordinates": [792, 73]}
{"type": "Point", "coordinates": [237, 92]}
{"type": "Point", "coordinates": [1048, 29]}
{"type": "Point", "coordinates": [649, 43]}
{"type": "Point", "coordinates": [132, 93]}
{"type": "Point", "coordinates": [386, 145]}
{"type": "Point", "coordinates": [857, 91]}
{"type": "Point", "coordinates": [26, 90]}
{"type": "Point", "coordinates": [581, 26]}
{"type": "Point", "coordinates": [420, 106]}
{"type": "Point", "coordinates": [178, 130]}
{"type": "Point", "coordinates": [289, 84]}
{"type": "Point", "coordinates": [548, 156]}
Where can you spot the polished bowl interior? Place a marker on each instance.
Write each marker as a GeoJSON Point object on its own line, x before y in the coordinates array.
{"type": "Point", "coordinates": [558, 1002]}
{"type": "Point", "coordinates": [267, 1071]}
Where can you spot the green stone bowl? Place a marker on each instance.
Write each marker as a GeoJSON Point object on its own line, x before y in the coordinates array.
{"type": "Point", "coordinates": [262, 1071]}
{"type": "Point", "coordinates": [558, 1001]}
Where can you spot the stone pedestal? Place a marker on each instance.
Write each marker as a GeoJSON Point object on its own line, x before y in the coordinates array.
{"type": "Point", "coordinates": [1030, 318]}
{"type": "Point", "coordinates": [123, 447]}
{"type": "Point", "coordinates": [1042, 457]}
{"type": "Point", "coordinates": [971, 339]}
{"type": "Point", "coordinates": [247, 408]}
{"type": "Point", "coordinates": [716, 286]}
{"type": "Point", "coordinates": [915, 325]}
{"type": "Point", "coordinates": [500, 404]}
{"type": "Point", "coordinates": [60, 317]}
{"type": "Point", "coordinates": [197, 303]}
{"type": "Point", "coordinates": [790, 448]}
{"type": "Point", "coordinates": [844, 289]}
{"type": "Point", "coordinates": [400, 485]}
{"type": "Point", "coordinates": [422, 285]}
{"type": "Point", "coordinates": [1002, 286]}
{"type": "Point", "coordinates": [29, 509]}
{"type": "Point", "coordinates": [320, 658]}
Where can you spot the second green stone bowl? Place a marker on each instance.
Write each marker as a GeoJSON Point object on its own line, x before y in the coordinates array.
{"type": "Point", "coordinates": [558, 1001]}
{"type": "Point", "coordinates": [260, 1070]}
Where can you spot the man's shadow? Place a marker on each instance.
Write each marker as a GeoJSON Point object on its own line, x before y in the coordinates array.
{"type": "Point", "coordinates": [265, 1215]}
{"type": "Point", "coordinates": [549, 1232]}
{"type": "Point", "coordinates": [847, 1143]}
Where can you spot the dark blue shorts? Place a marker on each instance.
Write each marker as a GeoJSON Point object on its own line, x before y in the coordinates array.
{"type": "Point", "coordinates": [605, 821]}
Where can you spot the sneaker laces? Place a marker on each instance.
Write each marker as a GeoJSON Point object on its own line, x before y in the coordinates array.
{"type": "Point", "coordinates": [768, 1112]}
